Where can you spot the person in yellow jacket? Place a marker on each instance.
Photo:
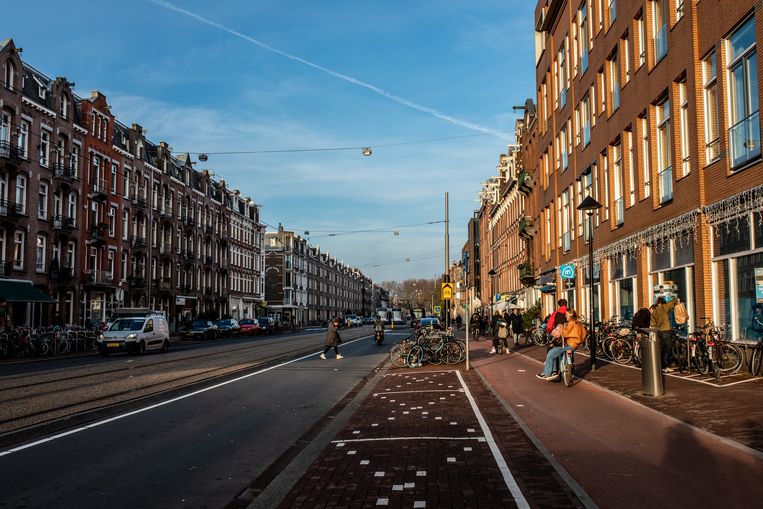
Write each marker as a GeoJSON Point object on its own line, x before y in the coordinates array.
{"type": "Point", "coordinates": [661, 321]}
{"type": "Point", "coordinates": [573, 336]}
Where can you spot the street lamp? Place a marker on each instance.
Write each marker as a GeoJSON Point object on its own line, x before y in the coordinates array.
{"type": "Point", "coordinates": [492, 274]}
{"type": "Point", "coordinates": [589, 206]}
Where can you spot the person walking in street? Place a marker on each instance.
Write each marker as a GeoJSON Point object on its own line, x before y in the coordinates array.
{"type": "Point", "coordinates": [475, 322]}
{"type": "Point", "coordinates": [573, 335]}
{"type": "Point", "coordinates": [332, 339]}
{"type": "Point", "coordinates": [661, 321]}
{"type": "Point", "coordinates": [458, 322]}
{"type": "Point", "coordinates": [517, 325]}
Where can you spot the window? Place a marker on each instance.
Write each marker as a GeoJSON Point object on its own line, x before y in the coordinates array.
{"type": "Point", "coordinates": [72, 207]}
{"type": "Point", "coordinates": [679, 9]}
{"type": "Point", "coordinates": [562, 75]}
{"type": "Point", "coordinates": [21, 193]}
{"type": "Point", "coordinates": [683, 126]}
{"type": "Point", "coordinates": [626, 56]}
{"type": "Point", "coordinates": [659, 29]}
{"type": "Point", "coordinates": [42, 201]}
{"type": "Point", "coordinates": [69, 260]}
{"type": "Point", "coordinates": [126, 224]}
{"type": "Point", "coordinates": [110, 264]}
{"type": "Point", "coordinates": [123, 266]}
{"type": "Point", "coordinates": [18, 250]}
{"type": "Point", "coordinates": [614, 80]}
{"type": "Point", "coordinates": [564, 148]}
{"type": "Point", "coordinates": [75, 161]}
{"type": "Point", "coordinates": [566, 220]}
{"type": "Point", "coordinates": [583, 40]}
{"type": "Point", "coordinates": [710, 84]}
{"type": "Point", "coordinates": [744, 133]}
{"type": "Point", "coordinates": [10, 75]}
{"type": "Point", "coordinates": [114, 171]}
{"type": "Point", "coordinates": [640, 38]}
{"type": "Point", "coordinates": [112, 221]}
{"type": "Point", "coordinates": [64, 106]}
{"type": "Point", "coordinates": [40, 261]}
{"type": "Point", "coordinates": [645, 155]}
{"type": "Point", "coordinates": [602, 92]}
{"type": "Point", "coordinates": [605, 183]}
{"type": "Point", "coordinates": [23, 139]}
{"type": "Point", "coordinates": [631, 167]}
{"type": "Point", "coordinates": [664, 152]}
{"type": "Point", "coordinates": [126, 183]}
{"type": "Point", "coordinates": [585, 118]}
{"type": "Point", "coordinates": [44, 147]}
{"type": "Point", "coordinates": [612, 11]}
{"type": "Point", "coordinates": [617, 175]}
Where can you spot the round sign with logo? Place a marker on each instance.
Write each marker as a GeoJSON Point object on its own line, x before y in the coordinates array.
{"type": "Point", "coordinates": [119, 294]}
{"type": "Point", "coordinates": [567, 271]}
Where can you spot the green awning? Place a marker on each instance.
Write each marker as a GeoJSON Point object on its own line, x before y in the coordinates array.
{"type": "Point", "coordinates": [22, 291]}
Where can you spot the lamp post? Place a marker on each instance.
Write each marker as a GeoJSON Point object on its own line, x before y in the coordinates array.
{"type": "Point", "coordinates": [589, 206]}
{"type": "Point", "coordinates": [492, 274]}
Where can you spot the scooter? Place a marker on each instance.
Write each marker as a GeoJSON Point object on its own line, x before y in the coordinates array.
{"type": "Point", "coordinates": [379, 337]}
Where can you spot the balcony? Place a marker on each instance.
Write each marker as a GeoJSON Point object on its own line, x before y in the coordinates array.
{"type": "Point", "coordinates": [9, 156]}
{"type": "Point", "coordinates": [63, 225]}
{"type": "Point", "coordinates": [526, 274]}
{"type": "Point", "coordinates": [223, 238]}
{"type": "Point", "coordinates": [97, 278]}
{"type": "Point", "coordinates": [744, 138]}
{"type": "Point", "coordinates": [97, 190]}
{"type": "Point", "coordinates": [136, 282]}
{"type": "Point", "coordinates": [61, 276]}
{"type": "Point", "coordinates": [165, 248]}
{"type": "Point", "coordinates": [525, 182]}
{"type": "Point", "coordinates": [526, 228]}
{"type": "Point", "coordinates": [139, 202]}
{"type": "Point", "coordinates": [97, 235]}
{"type": "Point", "coordinates": [10, 211]}
{"type": "Point", "coordinates": [64, 174]}
{"type": "Point", "coordinates": [138, 242]}
{"type": "Point", "coordinates": [166, 213]}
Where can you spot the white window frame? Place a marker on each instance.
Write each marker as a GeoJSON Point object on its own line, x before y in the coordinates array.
{"type": "Point", "coordinates": [664, 151]}
{"type": "Point", "coordinates": [710, 96]}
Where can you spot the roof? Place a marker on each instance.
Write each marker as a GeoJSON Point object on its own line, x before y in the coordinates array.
{"type": "Point", "coordinates": [22, 291]}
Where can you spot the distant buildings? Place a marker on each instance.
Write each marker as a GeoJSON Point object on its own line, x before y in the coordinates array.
{"type": "Point", "coordinates": [95, 216]}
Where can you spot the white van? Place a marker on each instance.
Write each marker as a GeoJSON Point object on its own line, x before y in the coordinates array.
{"type": "Point", "coordinates": [135, 334]}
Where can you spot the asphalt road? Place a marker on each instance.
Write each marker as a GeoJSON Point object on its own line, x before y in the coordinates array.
{"type": "Point", "coordinates": [195, 446]}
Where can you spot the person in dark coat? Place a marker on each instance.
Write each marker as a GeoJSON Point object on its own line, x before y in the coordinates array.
{"type": "Point", "coordinates": [332, 339]}
{"type": "Point", "coordinates": [517, 325]}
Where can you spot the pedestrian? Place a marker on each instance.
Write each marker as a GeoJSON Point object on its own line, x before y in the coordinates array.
{"type": "Point", "coordinates": [494, 323]}
{"type": "Point", "coordinates": [458, 321]}
{"type": "Point", "coordinates": [661, 321]}
{"type": "Point", "coordinates": [517, 325]}
{"type": "Point", "coordinates": [332, 339]}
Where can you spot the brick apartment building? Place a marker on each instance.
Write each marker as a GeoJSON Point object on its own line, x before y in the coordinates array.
{"type": "Point", "coordinates": [651, 107]}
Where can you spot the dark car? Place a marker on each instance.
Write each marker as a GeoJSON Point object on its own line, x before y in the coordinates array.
{"type": "Point", "coordinates": [200, 329]}
{"type": "Point", "coordinates": [249, 326]}
{"type": "Point", "coordinates": [267, 325]}
{"type": "Point", "coordinates": [228, 327]}
{"type": "Point", "coordinates": [368, 320]}
{"type": "Point", "coordinates": [428, 323]}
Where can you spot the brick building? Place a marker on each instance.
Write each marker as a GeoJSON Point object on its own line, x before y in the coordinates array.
{"type": "Point", "coordinates": [651, 107]}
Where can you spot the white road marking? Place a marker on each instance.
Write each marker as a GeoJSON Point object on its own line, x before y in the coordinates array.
{"type": "Point", "coordinates": [394, 439]}
{"type": "Point", "coordinates": [511, 483]}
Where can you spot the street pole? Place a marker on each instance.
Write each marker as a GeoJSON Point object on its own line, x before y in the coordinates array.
{"type": "Point", "coordinates": [446, 278]}
{"type": "Point", "coordinates": [468, 319]}
{"type": "Point", "coordinates": [590, 275]}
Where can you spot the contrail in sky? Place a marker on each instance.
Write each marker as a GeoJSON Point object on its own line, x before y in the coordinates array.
{"type": "Point", "coordinates": [380, 91]}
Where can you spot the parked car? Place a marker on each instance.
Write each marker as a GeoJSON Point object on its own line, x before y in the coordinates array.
{"type": "Point", "coordinates": [355, 320]}
{"type": "Point", "coordinates": [369, 320]}
{"type": "Point", "coordinates": [200, 329]}
{"type": "Point", "coordinates": [267, 325]}
{"type": "Point", "coordinates": [248, 326]}
{"type": "Point", "coordinates": [135, 335]}
{"type": "Point", "coordinates": [429, 323]}
{"type": "Point", "coordinates": [228, 327]}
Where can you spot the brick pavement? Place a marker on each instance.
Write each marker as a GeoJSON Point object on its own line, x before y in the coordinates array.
{"type": "Point", "coordinates": [417, 442]}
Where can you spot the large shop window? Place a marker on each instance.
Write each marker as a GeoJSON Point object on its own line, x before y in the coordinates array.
{"type": "Point", "coordinates": [672, 261]}
{"type": "Point", "coordinates": [734, 282]}
{"type": "Point", "coordinates": [624, 270]}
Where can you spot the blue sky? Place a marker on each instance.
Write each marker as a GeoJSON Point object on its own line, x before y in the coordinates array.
{"type": "Point", "coordinates": [265, 75]}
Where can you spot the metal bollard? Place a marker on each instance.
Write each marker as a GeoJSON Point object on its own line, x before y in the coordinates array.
{"type": "Point", "coordinates": [651, 367]}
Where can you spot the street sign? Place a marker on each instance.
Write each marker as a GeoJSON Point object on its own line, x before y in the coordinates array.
{"type": "Point", "coordinates": [447, 291]}
{"type": "Point", "coordinates": [437, 310]}
{"type": "Point", "coordinates": [567, 271]}
{"type": "Point", "coordinates": [119, 295]}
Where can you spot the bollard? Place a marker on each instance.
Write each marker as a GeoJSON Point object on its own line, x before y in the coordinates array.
{"type": "Point", "coordinates": [651, 368]}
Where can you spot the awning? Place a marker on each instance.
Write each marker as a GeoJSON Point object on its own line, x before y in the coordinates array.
{"type": "Point", "coordinates": [22, 291]}
{"type": "Point", "coordinates": [548, 289]}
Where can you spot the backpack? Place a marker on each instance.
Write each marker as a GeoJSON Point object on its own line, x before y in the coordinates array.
{"type": "Point", "coordinates": [680, 314]}
{"type": "Point", "coordinates": [503, 330]}
{"type": "Point", "coordinates": [641, 319]}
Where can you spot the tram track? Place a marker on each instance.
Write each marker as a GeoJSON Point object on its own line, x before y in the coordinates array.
{"type": "Point", "coordinates": [33, 415]}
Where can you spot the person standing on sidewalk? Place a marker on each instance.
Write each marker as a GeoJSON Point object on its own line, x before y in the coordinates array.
{"type": "Point", "coordinates": [332, 339]}
{"type": "Point", "coordinates": [661, 321]}
{"type": "Point", "coordinates": [517, 325]}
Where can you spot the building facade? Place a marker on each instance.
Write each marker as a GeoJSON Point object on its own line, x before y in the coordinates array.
{"type": "Point", "coordinates": [651, 108]}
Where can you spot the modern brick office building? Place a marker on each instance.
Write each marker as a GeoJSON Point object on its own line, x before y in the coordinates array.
{"type": "Point", "coordinates": [651, 107]}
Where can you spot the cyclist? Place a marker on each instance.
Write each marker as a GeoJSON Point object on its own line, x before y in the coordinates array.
{"type": "Point", "coordinates": [574, 335]}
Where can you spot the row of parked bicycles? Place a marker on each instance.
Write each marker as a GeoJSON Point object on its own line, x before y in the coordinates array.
{"type": "Point", "coordinates": [31, 342]}
{"type": "Point", "coordinates": [708, 350]}
{"type": "Point", "coordinates": [428, 346]}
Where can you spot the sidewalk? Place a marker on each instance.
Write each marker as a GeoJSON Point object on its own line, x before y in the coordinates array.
{"type": "Point", "coordinates": [496, 436]}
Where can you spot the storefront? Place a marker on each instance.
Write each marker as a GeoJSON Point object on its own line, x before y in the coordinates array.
{"type": "Point", "coordinates": [623, 271]}
{"type": "Point", "coordinates": [737, 250]}
{"type": "Point", "coordinates": [671, 264]}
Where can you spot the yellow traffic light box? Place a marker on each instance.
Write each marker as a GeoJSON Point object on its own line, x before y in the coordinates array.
{"type": "Point", "coordinates": [447, 291]}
